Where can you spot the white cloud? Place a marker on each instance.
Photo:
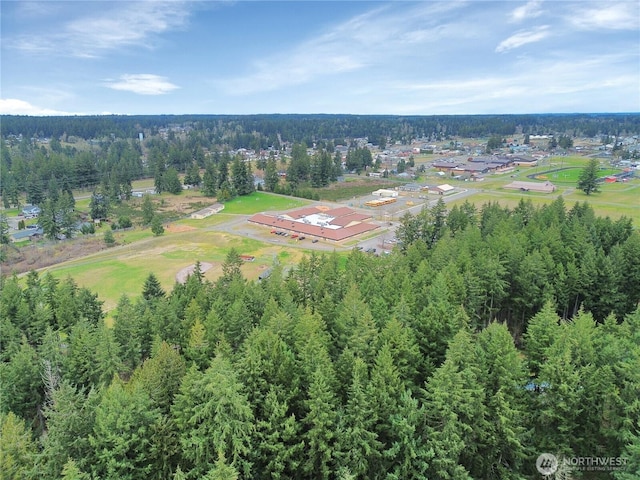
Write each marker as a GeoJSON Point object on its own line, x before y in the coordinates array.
{"type": "Point", "coordinates": [532, 85]}
{"type": "Point", "coordinates": [522, 38]}
{"type": "Point", "coordinates": [531, 9]}
{"type": "Point", "coordinates": [142, 84]}
{"type": "Point", "coordinates": [613, 16]}
{"type": "Point", "coordinates": [123, 25]}
{"type": "Point", "coordinates": [14, 106]}
{"type": "Point", "coordinates": [365, 40]}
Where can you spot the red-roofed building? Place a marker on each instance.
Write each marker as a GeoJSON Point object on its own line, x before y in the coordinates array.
{"type": "Point", "coordinates": [330, 224]}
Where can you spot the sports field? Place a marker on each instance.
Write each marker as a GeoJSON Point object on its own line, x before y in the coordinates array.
{"type": "Point", "coordinates": [570, 175]}
{"type": "Point", "coordinates": [614, 199]}
{"type": "Point", "coordinates": [261, 202]}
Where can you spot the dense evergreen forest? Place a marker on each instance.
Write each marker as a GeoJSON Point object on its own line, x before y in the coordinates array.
{"type": "Point", "coordinates": [262, 131]}
{"type": "Point", "coordinates": [485, 339]}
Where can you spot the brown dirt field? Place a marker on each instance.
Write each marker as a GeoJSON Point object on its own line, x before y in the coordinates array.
{"type": "Point", "coordinates": [182, 204]}
{"type": "Point", "coordinates": [35, 257]}
{"type": "Point", "coordinates": [171, 228]}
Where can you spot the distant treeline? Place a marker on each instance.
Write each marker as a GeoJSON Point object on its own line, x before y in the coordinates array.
{"type": "Point", "coordinates": [261, 131]}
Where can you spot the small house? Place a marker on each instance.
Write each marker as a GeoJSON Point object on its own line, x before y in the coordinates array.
{"type": "Point", "coordinates": [31, 211]}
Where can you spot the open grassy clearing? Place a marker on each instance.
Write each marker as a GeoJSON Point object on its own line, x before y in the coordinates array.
{"type": "Point", "coordinates": [143, 184]}
{"type": "Point", "coordinates": [570, 175]}
{"type": "Point", "coordinates": [261, 202]}
{"type": "Point", "coordinates": [123, 269]}
{"type": "Point", "coordinates": [10, 212]}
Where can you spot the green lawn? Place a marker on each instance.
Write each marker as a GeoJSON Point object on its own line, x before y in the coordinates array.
{"type": "Point", "coordinates": [262, 202]}
{"type": "Point", "coordinates": [10, 212]}
{"type": "Point", "coordinates": [571, 175]}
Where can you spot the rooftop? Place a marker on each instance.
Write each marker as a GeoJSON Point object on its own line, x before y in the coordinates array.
{"type": "Point", "coordinates": [319, 221]}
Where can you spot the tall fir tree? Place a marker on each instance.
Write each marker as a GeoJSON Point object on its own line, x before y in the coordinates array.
{"type": "Point", "coordinates": [213, 415]}
{"type": "Point", "coordinates": [588, 177]}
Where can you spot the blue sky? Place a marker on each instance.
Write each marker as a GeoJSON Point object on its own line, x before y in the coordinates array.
{"type": "Point", "coordinates": [356, 57]}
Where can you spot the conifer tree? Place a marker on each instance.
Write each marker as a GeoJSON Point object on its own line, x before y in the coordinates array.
{"type": "Point", "coordinates": [540, 335]}
{"type": "Point", "coordinates": [358, 448]}
{"type": "Point", "coordinates": [21, 384]}
{"type": "Point", "coordinates": [213, 415]}
{"type": "Point", "coordinates": [503, 376]}
{"type": "Point", "coordinates": [589, 176]}
{"type": "Point", "coordinates": [407, 455]}
{"type": "Point", "coordinates": [160, 376]}
{"type": "Point", "coordinates": [71, 471]}
{"type": "Point", "coordinates": [210, 181]}
{"type": "Point", "coordinates": [271, 177]}
{"type": "Point", "coordinates": [70, 416]}
{"type": "Point", "coordinates": [17, 449]}
{"type": "Point", "coordinates": [148, 210]}
{"type": "Point", "coordinates": [127, 333]}
{"type": "Point", "coordinates": [384, 390]}
{"type": "Point", "coordinates": [279, 445]}
{"type": "Point", "coordinates": [151, 288]}
{"type": "Point", "coordinates": [402, 345]}
{"type": "Point", "coordinates": [197, 349]}
{"type": "Point", "coordinates": [455, 411]}
{"type": "Point", "coordinates": [267, 363]}
{"type": "Point", "coordinates": [222, 470]}
{"type": "Point", "coordinates": [122, 434]}
{"type": "Point", "coordinates": [79, 367]}
{"type": "Point", "coordinates": [320, 424]}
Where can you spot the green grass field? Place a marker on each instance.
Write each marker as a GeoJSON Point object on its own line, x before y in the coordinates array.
{"type": "Point", "coordinates": [261, 202]}
{"type": "Point", "coordinates": [570, 175]}
{"type": "Point", "coordinates": [123, 269]}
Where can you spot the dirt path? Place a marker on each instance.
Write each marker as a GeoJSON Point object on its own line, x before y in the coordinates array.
{"type": "Point", "coordinates": [183, 274]}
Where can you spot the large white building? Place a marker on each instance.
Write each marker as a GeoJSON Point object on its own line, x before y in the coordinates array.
{"type": "Point", "coordinates": [385, 193]}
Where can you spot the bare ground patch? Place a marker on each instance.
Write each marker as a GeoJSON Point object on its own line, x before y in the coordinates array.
{"type": "Point", "coordinates": [34, 257]}
{"type": "Point", "coordinates": [183, 274]}
{"type": "Point", "coordinates": [172, 228]}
